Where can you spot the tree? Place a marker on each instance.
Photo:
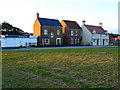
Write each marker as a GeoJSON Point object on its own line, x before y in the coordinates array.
{"type": "Point", "coordinates": [10, 30]}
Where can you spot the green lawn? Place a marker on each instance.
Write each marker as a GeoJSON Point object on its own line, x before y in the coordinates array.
{"type": "Point", "coordinates": [61, 68]}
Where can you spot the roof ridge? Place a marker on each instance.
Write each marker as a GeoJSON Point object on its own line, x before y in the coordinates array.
{"type": "Point", "coordinates": [48, 18]}
{"type": "Point", "coordinates": [69, 20]}
{"type": "Point", "coordinates": [49, 22]}
{"type": "Point", "coordinates": [93, 25]}
{"type": "Point", "coordinates": [98, 29]}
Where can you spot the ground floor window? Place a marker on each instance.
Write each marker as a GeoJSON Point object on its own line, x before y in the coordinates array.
{"type": "Point", "coordinates": [107, 40]}
{"type": "Point", "coordinates": [93, 40]}
{"type": "Point", "coordinates": [45, 41]}
{"type": "Point", "coordinates": [72, 41]}
{"type": "Point", "coordinates": [76, 40]}
{"type": "Point", "coordinates": [51, 35]}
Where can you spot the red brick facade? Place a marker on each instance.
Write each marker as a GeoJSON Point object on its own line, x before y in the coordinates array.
{"type": "Point", "coordinates": [52, 38]}
{"type": "Point", "coordinates": [68, 37]}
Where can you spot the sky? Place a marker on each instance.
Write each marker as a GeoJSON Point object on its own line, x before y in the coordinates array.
{"type": "Point", "coordinates": [22, 13]}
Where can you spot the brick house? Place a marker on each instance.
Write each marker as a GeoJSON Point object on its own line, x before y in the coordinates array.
{"type": "Point", "coordinates": [114, 39]}
{"type": "Point", "coordinates": [72, 33]}
{"type": "Point", "coordinates": [49, 31]}
{"type": "Point", "coordinates": [94, 35]}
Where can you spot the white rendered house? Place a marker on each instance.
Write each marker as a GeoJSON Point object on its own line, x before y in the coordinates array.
{"type": "Point", "coordinates": [94, 35]}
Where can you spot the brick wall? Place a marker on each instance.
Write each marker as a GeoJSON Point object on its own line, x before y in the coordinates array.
{"type": "Point", "coordinates": [51, 29]}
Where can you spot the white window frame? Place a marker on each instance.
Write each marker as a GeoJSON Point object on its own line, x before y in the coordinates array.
{"type": "Point", "coordinates": [77, 39]}
{"type": "Point", "coordinates": [76, 33]}
{"type": "Point", "coordinates": [58, 32]}
{"type": "Point", "coordinates": [52, 35]}
{"type": "Point", "coordinates": [45, 39]}
{"type": "Point", "coordinates": [45, 32]}
{"type": "Point", "coordinates": [72, 33]}
{"type": "Point", "coordinates": [94, 40]}
{"type": "Point", "coordinates": [94, 32]}
{"type": "Point", "coordinates": [72, 40]}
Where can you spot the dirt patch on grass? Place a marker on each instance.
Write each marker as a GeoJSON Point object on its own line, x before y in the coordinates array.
{"type": "Point", "coordinates": [103, 52]}
{"type": "Point", "coordinates": [112, 59]}
{"type": "Point", "coordinates": [97, 55]}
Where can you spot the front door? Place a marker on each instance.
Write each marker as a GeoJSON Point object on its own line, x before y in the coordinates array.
{"type": "Point", "coordinates": [58, 41]}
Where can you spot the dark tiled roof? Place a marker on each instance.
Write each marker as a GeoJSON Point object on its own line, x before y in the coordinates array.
{"type": "Point", "coordinates": [49, 22]}
{"type": "Point", "coordinates": [72, 24]}
{"type": "Point", "coordinates": [98, 29]}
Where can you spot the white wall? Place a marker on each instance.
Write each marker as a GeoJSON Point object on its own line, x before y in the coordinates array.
{"type": "Point", "coordinates": [16, 42]}
{"type": "Point", "coordinates": [86, 36]}
{"type": "Point", "coordinates": [101, 38]}
{"type": "Point", "coordinates": [106, 39]}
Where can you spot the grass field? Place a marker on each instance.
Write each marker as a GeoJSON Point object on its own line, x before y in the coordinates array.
{"type": "Point", "coordinates": [61, 68]}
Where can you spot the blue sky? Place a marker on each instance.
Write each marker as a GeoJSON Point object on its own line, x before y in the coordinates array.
{"type": "Point", "coordinates": [22, 13]}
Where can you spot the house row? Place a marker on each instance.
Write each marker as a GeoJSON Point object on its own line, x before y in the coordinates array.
{"type": "Point", "coordinates": [52, 32]}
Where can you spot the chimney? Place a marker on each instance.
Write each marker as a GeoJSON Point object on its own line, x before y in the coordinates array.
{"type": "Point", "coordinates": [37, 15]}
{"type": "Point", "coordinates": [100, 24]}
{"type": "Point", "coordinates": [83, 22]}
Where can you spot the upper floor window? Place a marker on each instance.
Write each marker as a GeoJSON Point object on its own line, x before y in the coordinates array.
{"type": "Point", "coordinates": [76, 33]}
{"type": "Point", "coordinates": [106, 33]}
{"type": "Point", "coordinates": [51, 35]}
{"type": "Point", "coordinates": [80, 33]}
{"type": "Point", "coordinates": [58, 32]}
{"type": "Point", "coordinates": [45, 32]}
{"type": "Point", "coordinates": [71, 33]}
{"type": "Point", "coordinates": [94, 32]}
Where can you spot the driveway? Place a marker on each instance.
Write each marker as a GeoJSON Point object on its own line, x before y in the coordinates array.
{"type": "Point", "coordinates": [55, 47]}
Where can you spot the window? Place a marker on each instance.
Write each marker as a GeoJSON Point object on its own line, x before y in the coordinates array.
{"type": "Point", "coordinates": [80, 33]}
{"type": "Point", "coordinates": [76, 33]}
{"type": "Point", "coordinates": [106, 33]}
{"type": "Point", "coordinates": [45, 41]}
{"type": "Point", "coordinates": [45, 32]}
{"type": "Point", "coordinates": [58, 32]}
{"type": "Point", "coordinates": [106, 40]}
{"type": "Point", "coordinates": [77, 41]}
{"type": "Point", "coordinates": [71, 40]}
{"type": "Point", "coordinates": [94, 32]}
{"type": "Point", "coordinates": [93, 40]}
{"type": "Point", "coordinates": [51, 35]}
{"type": "Point", "coordinates": [71, 33]}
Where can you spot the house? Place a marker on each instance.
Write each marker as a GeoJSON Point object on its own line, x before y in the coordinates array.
{"type": "Point", "coordinates": [49, 31]}
{"type": "Point", "coordinates": [18, 40]}
{"type": "Point", "coordinates": [112, 38]}
{"type": "Point", "coordinates": [118, 39]}
{"type": "Point", "coordinates": [72, 32]}
{"type": "Point", "coordinates": [94, 35]}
